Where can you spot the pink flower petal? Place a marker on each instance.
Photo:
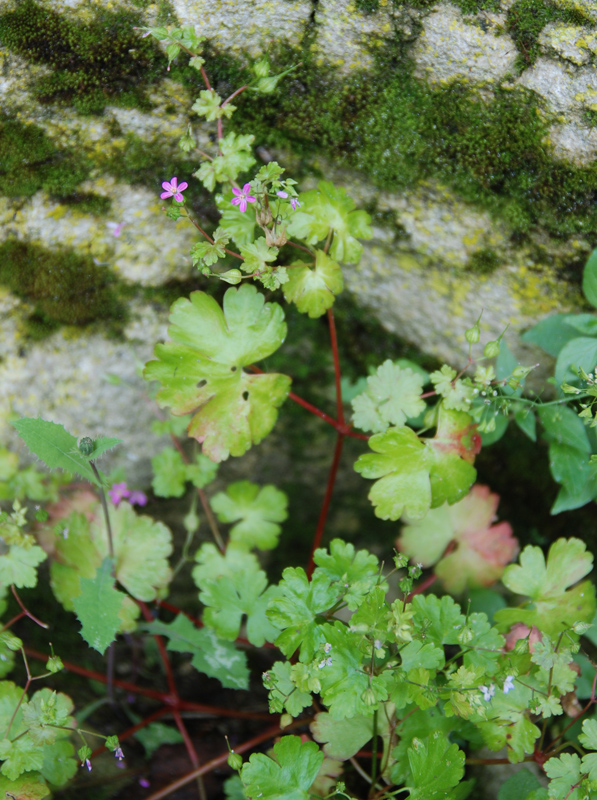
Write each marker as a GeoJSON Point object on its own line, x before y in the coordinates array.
{"type": "Point", "coordinates": [178, 197]}
{"type": "Point", "coordinates": [282, 194]}
{"type": "Point", "coordinates": [182, 186]}
{"type": "Point", "coordinates": [166, 185]}
{"type": "Point", "coordinates": [173, 183]}
{"type": "Point", "coordinates": [243, 204]}
{"type": "Point", "coordinates": [165, 195]}
{"type": "Point", "coordinates": [246, 188]}
{"type": "Point", "coordinates": [250, 199]}
{"type": "Point", "coordinates": [236, 201]}
{"type": "Point", "coordinates": [236, 191]}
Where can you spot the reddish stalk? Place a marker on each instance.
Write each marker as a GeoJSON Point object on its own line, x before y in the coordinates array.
{"type": "Point", "coordinates": [25, 610]}
{"type": "Point", "coordinates": [219, 761]}
{"type": "Point", "coordinates": [234, 94]}
{"type": "Point", "coordinates": [423, 586]}
{"type": "Point", "coordinates": [337, 371]}
{"type": "Point", "coordinates": [326, 502]}
{"type": "Point", "coordinates": [163, 654]}
{"type": "Point", "coordinates": [209, 239]}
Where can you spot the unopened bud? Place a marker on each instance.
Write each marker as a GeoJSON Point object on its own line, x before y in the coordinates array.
{"type": "Point", "coordinates": [232, 276]}
{"type": "Point", "coordinates": [285, 720]}
{"type": "Point", "coordinates": [235, 761]}
{"type": "Point", "coordinates": [368, 697]}
{"type": "Point", "coordinates": [86, 446]}
{"type": "Point", "coordinates": [492, 349]}
{"type": "Point", "coordinates": [465, 636]}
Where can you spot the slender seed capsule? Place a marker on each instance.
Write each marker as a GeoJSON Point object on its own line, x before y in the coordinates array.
{"type": "Point", "coordinates": [472, 335]}
{"type": "Point", "coordinates": [492, 349]}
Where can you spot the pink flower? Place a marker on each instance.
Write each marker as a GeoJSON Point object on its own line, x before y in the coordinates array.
{"type": "Point", "coordinates": [118, 492]}
{"type": "Point", "coordinates": [173, 190]}
{"type": "Point", "coordinates": [137, 498]}
{"type": "Point", "coordinates": [87, 764]}
{"type": "Point", "coordinates": [242, 198]}
{"type": "Point", "coordinates": [282, 194]}
{"type": "Point", "coordinates": [118, 753]}
{"type": "Point", "coordinates": [115, 227]}
{"type": "Point", "coordinates": [294, 203]}
{"type": "Point", "coordinates": [144, 783]}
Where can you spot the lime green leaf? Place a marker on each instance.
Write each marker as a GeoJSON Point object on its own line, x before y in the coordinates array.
{"type": "Point", "coordinates": [256, 512]}
{"type": "Point", "coordinates": [436, 766]}
{"type": "Point", "coordinates": [579, 352]}
{"type": "Point", "coordinates": [283, 692]}
{"type": "Point", "coordinates": [202, 471]}
{"type": "Point", "coordinates": [212, 564]}
{"type": "Point", "coordinates": [296, 610]}
{"type": "Point", "coordinates": [589, 279]}
{"type": "Point", "coordinates": [98, 608]}
{"type": "Point", "coordinates": [565, 773]}
{"type": "Point", "coordinates": [30, 786]}
{"type": "Point", "coordinates": [588, 737]}
{"type": "Point", "coordinates": [329, 208]}
{"type": "Point", "coordinates": [60, 764]}
{"type": "Point", "coordinates": [257, 255]}
{"type": "Point", "coordinates": [393, 394]}
{"type": "Point", "coordinates": [45, 714]}
{"type": "Point", "coordinates": [457, 394]}
{"type": "Point", "coordinates": [354, 573]}
{"type": "Point", "coordinates": [231, 597]}
{"type": "Point", "coordinates": [209, 252]}
{"type": "Point", "coordinates": [555, 605]}
{"type": "Point", "coordinates": [233, 789]}
{"type": "Point", "coordinates": [314, 290]}
{"type": "Point", "coordinates": [201, 369]}
{"type": "Point", "coordinates": [438, 619]}
{"type": "Point", "coordinates": [54, 445]}
{"type": "Point", "coordinates": [208, 106]}
{"type": "Point", "coordinates": [289, 777]}
{"type": "Point", "coordinates": [169, 473]}
{"type": "Point", "coordinates": [419, 654]}
{"type": "Point", "coordinates": [18, 566]}
{"type": "Point", "coordinates": [481, 549]}
{"type": "Point", "coordinates": [211, 655]}
{"type": "Point", "coordinates": [342, 738]}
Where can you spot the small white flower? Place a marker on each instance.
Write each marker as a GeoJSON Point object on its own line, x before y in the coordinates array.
{"type": "Point", "coordinates": [488, 692]}
{"type": "Point", "coordinates": [508, 684]}
{"type": "Point", "coordinates": [327, 647]}
{"type": "Point", "coordinates": [377, 644]}
{"type": "Point", "coordinates": [327, 662]}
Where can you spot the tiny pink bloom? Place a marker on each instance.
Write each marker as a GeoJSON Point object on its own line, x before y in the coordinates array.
{"type": "Point", "coordinates": [137, 498]}
{"type": "Point", "coordinates": [173, 190]}
{"type": "Point", "coordinates": [118, 753]}
{"type": "Point", "coordinates": [118, 492]}
{"type": "Point", "coordinates": [146, 34]}
{"type": "Point", "coordinates": [144, 783]}
{"type": "Point", "coordinates": [294, 203]}
{"type": "Point", "coordinates": [242, 198]}
{"type": "Point", "coordinates": [87, 764]}
{"type": "Point", "coordinates": [282, 194]}
{"type": "Point", "coordinates": [115, 227]}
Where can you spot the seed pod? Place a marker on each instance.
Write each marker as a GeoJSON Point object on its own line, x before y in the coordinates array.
{"type": "Point", "coordinates": [492, 349]}
{"type": "Point", "coordinates": [232, 276]}
{"type": "Point", "coordinates": [472, 335]}
{"type": "Point", "coordinates": [235, 761]}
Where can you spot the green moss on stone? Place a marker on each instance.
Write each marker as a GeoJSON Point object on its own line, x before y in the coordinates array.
{"type": "Point", "coordinates": [483, 261]}
{"type": "Point", "coordinates": [92, 64]}
{"type": "Point", "coordinates": [31, 162]}
{"type": "Point", "coordinates": [526, 20]}
{"type": "Point", "coordinates": [64, 286]}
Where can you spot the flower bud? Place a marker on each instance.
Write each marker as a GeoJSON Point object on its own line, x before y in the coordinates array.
{"type": "Point", "coordinates": [492, 349]}
{"type": "Point", "coordinates": [285, 720]}
{"type": "Point", "coordinates": [235, 761]}
{"type": "Point", "coordinates": [86, 446]}
{"type": "Point", "coordinates": [232, 276]}
{"type": "Point", "coordinates": [472, 335]}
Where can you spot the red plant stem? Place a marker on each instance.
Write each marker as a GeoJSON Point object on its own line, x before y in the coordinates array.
{"type": "Point", "coordinates": [337, 371]}
{"type": "Point", "coordinates": [205, 78]}
{"type": "Point", "coordinates": [234, 94]}
{"type": "Point", "coordinates": [12, 621]}
{"type": "Point", "coordinates": [326, 502]}
{"type": "Point", "coordinates": [219, 761]}
{"type": "Point", "coordinates": [299, 247]}
{"type": "Point", "coordinates": [163, 654]}
{"type": "Point", "coordinates": [26, 610]}
{"type": "Point", "coordinates": [209, 239]}
{"type": "Point", "coordinates": [133, 730]}
{"type": "Point", "coordinates": [163, 697]}
{"type": "Point", "coordinates": [429, 581]}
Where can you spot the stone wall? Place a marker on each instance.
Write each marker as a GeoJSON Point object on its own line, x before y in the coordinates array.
{"type": "Point", "coordinates": [467, 128]}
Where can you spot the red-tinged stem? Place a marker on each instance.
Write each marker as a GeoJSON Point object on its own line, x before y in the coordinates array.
{"type": "Point", "coordinates": [423, 586]}
{"type": "Point", "coordinates": [428, 394]}
{"type": "Point", "coordinates": [337, 371]}
{"type": "Point", "coordinates": [326, 502]}
{"type": "Point", "coordinates": [209, 239]}
{"type": "Point", "coordinates": [220, 131]}
{"type": "Point", "coordinates": [12, 621]}
{"type": "Point", "coordinates": [234, 94]}
{"type": "Point", "coordinates": [342, 428]}
{"type": "Point", "coordinates": [161, 712]}
{"type": "Point", "coordinates": [191, 751]}
{"type": "Point", "coordinates": [25, 610]}
{"type": "Point", "coordinates": [592, 700]}
{"type": "Point", "coordinates": [300, 247]}
{"type": "Point", "coordinates": [163, 654]}
{"type": "Point", "coordinates": [220, 760]}
{"type": "Point", "coordinates": [205, 78]}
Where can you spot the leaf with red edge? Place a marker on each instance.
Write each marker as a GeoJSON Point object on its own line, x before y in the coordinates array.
{"type": "Point", "coordinates": [480, 550]}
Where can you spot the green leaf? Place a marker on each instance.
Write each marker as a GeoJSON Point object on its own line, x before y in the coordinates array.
{"type": "Point", "coordinates": [212, 656]}
{"type": "Point", "coordinates": [283, 692]}
{"type": "Point", "coordinates": [565, 773]}
{"type": "Point", "coordinates": [60, 764]}
{"type": "Point", "coordinates": [341, 738]}
{"type": "Point", "coordinates": [256, 512]}
{"type": "Point", "coordinates": [518, 786]}
{"type": "Point", "coordinates": [580, 352]}
{"type": "Point", "coordinates": [230, 597]}
{"type": "Point", "coordinates": [102, 445]}
{"type": "Point", "coordinates": [202, 471]}
{"type": "Point", "coordinates": [563, 426]}
{"type": "Point", "coordinates": [457, 394]}
{"type": "Point", "coordinates": [208, 106]}
{"type": "Point", "coordinates": [355, 573]}
{"type": "Point", "coordinates": [527, 422]}
{"type": "Point", "coordinates": [240, 225]}
{"type": "Point", "coordinates": [416, 654]}
{"type": "Point", "coordinates": [589, 279]}
{"type": "Point", "coordinates": [18, 566]}
{"type": "Point", "coordinates": [169, 473]}
{"type": "Point", "coordinates": [555, 606]}
{"type": "Point", "coordinates": [233, 789]}
{"type": "Point", "coordinates": [153, 736]}
{"type": "Point", "coordinates": [201, 369]}
{"type": "Point", "coordinates": [98, 608]}
{"type": "Point", "coordinates": [45, 714]}
{"type": "Point", "coordinates": [257, 256]}
{"type": "Point", "coordinates": [289, 777]}
{"type": "Point", "coordinates": [207, 252]}
{"type": "Point", "coordinates": [552, 333]}
{"type": "Point", "coordinates": [438, 619]}
{"type": "Point", "coordinates": [436, 766]}
{"type": "Point", "coordinates": [30, 786]}
{"type": "Point", "coordinates": [393, 394]}
{"type": "Point", "coordinates": [314, 289]}
{"type": "Point", "coordinates": [54, 445]}
{"type": "Point", "coordinates": [329, 208]}
{"type": "Point", "coordinates": [297, 608]}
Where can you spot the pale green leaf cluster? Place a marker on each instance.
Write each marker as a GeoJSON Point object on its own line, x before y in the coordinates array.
{"type": "Point", "coordinates": [256, 514]}
{"type": "Point", "coordinates": [171, 473]}
{"type": "Point", "coordinates": [393, 395]}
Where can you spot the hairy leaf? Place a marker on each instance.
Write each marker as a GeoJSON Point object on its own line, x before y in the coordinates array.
{"type": "Point", "coordinates": [289, 777]}
{"type": "Point", "coordinates": [98, 608]}
{"type": "Point", "coordinates": [54, 445]}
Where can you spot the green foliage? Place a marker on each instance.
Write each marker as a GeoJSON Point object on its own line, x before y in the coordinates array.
{"type": "Point", "coordinates": [289, 777]}
{"type": "Point", "coordinates": [314, 288]}
{"type": "Point", "coordinates": [392, 395]}
{"type": "Point", "coordinates": [436, 767]}
{"type": "Point", "coordinates": [255, 511]}
{"type": "Point", "coordinates": [171, 473]}
{"type": "Point", "coordinates": [54, 445]}
{"type": "Point", "coordinates": [212, 656]}
{"type": "Point", "coordinates": [202, 367]}
{"type": "Point", "coordinates": [98, 608]}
